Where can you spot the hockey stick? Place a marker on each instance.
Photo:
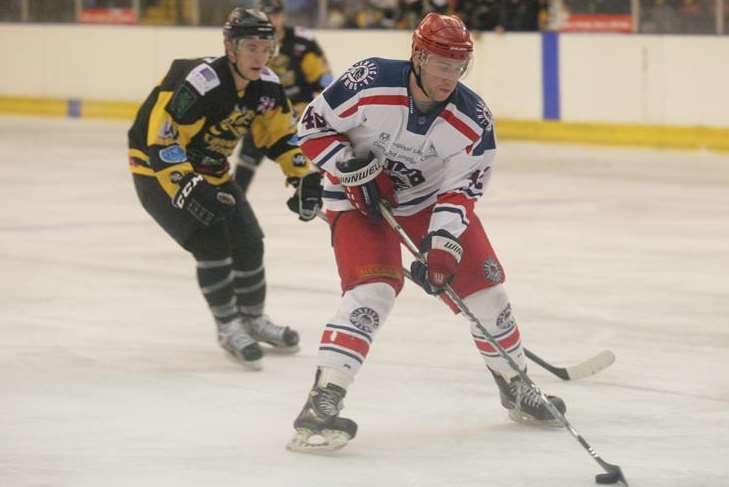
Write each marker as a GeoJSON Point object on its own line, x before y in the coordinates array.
{"type": "Point", "coordinates": [613, 473]}
{"type": "Point", "coordinates": [586, 368]}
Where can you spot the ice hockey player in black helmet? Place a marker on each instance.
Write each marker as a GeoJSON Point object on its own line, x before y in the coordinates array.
{"type": "Point", "coordinates": [179, 146]}
{"type": "Point", "coordinates": [304, 72]}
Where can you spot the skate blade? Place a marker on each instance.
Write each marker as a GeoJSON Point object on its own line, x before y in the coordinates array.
{"type": "Point", "coordinates": [307, 441]}
{"type": "Point", "coordinates": [254, 365]}
{"type": "Point", "coordinates": [280, 349]}
{"type": "Point", "coordinates": [519, 416]}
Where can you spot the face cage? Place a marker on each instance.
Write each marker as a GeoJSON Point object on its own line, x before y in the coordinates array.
{"type": "Point", "coordinates": [443, 67]}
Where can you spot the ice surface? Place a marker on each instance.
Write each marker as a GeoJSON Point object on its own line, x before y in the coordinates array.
{"type": "Point", "coordinates": [111, 376]}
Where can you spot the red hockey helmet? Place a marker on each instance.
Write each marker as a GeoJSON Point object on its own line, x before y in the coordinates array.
{"type": "Point", "coordinates": [443, 35]}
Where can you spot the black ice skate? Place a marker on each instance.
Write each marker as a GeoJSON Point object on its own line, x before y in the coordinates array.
{"type": "Point", "coordinates": [239, 344]}
{"type": "Point", "coordinates": [319, 427]}
{"type": "Point", "coordinates": [525, 404]}
{"type": "Point", "coordinates": [281, 338]}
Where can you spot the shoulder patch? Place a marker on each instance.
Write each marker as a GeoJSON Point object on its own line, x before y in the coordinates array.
{"type": "Point", "coordinates": [203, 78]}
{"type": "Point", "coordinates": [181, 102]}
{"type": "Point", "coordinates": [268, 75]}
{"type": "Point", "coordinates": [360, 75]}
{"type": "Point", "coordinates": [484, 116]}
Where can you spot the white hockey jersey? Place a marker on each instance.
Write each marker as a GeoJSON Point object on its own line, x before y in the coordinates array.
{"type": "Point", "coordinates": [442, 157]}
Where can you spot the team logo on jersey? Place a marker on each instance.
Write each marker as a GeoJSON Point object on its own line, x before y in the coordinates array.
{"type": "Point", "coordinates": [365, 319]}
{"type": "Point", "coordinates": [168, 132]}
{"type": "Point", "coordinates": [506, 321]}
{"type": "Point", "coordinates": [485, 117]}
{"type": "Point", "coordinates": [359, 75]}
{"type": "Point", "coordinates": [492, 271]}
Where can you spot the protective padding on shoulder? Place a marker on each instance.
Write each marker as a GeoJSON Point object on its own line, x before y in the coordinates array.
{"type": "Point", "coordinates": [492, 308]}
{"type": "Point", "coordinates": [347, 337]}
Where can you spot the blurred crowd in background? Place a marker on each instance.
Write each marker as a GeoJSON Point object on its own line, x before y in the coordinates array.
{"type": "Point", "coordinates": [645, 16]}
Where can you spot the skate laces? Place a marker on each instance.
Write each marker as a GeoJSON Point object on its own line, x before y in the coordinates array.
{"type": "Point", "coordinates": [326, 401]}
{"type": "Point", "coordinates": [233, 335]}
{"type": "Point", "coordinates": [265, 329]}
{"type": "Point", "coordinates": [525, 393]}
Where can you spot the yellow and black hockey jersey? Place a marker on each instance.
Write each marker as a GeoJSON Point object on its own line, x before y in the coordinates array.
{"type": "Point", "coordinates": [194, 118]}
{"type": "Point", "coordinates": [301, 66]}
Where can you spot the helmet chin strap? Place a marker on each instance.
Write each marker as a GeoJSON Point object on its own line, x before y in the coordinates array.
{"type": "Point", "coordinates": [418, 80]}
{"type": "Point", "coordinates": [235, 68]}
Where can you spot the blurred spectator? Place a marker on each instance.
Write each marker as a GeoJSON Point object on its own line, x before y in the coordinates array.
{"type": "Point", "coordinates": [52, 11]}
{"type": "Point", "coordinates": [697, 16]}
{"type": "Point", "coordinates": [412, 11]}
{"type": "Point", "coordinates": [10, 10]}
{"type": "Point", "coordinates": [501, 15]}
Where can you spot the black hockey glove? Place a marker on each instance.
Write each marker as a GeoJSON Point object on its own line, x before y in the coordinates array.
{"type": "Point", "coordinates": [205, 202]}
{"type": "Point", "coordinates": [306, 201]}
{"type": "Point", "coordinates": [366, 184]}
{"type": "Point", "coordinates": [442, 253]}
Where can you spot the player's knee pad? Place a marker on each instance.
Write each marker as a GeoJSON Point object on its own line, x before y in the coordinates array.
{"type": "Point", "coordinates": [347, 337]}
{"type": "Point", "coordinates": [211, 243]}
{"type": "Point", "coordinates": [492, 308]}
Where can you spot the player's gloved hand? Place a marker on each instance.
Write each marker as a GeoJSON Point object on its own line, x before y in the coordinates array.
{"type": "Point", "coordinates": [366, 184]}
{"type": "Point", "coordinates": [442, 253]}
{"type": "Point", "coordinates": [306, 201]}
{"type": "Point", "coordinates": [201, 199]}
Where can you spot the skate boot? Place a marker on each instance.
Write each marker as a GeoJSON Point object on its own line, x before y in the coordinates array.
{"type": "Point", "coordinates": [281, 338]}
{"type": "Point", "coordinates": [525, 404]}
{"type": "Point", "coordinates": [235, 340]}
{"type": "Point", "coordinates": [319, 427]}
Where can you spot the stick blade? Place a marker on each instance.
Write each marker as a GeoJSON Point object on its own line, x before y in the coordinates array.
{"type": "Point", "coordinates": [591, 366]}
{"type": "Point", "coordinates": [613, 475]}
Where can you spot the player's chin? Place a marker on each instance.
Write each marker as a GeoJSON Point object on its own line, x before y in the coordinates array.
{"type": "Point", "coordinates": [441, 94]}
{"type": "Point", "coordinates": [254, 73]}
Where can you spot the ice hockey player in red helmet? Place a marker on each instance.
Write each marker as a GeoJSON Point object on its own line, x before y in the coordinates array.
{"type": "Point", "coordinates": [409, 133]}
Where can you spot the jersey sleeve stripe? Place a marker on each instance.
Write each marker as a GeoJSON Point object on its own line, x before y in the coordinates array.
{"type": "Point", "coordinates": [321, 149]}
{"type": "Point", "coordinates": [334, 195]}
{"type": "Point", "coordinates": [375, 100]}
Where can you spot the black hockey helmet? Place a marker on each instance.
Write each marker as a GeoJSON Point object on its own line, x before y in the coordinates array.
{"type": "Point", "coordinates": [271, 6]}
{"type": "Point", "coordinates": [250, 23]}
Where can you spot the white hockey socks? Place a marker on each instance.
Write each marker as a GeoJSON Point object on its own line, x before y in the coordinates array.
{"type": "Point", "coordinates": [492, 308]}
{"type": "Point", "coordinates": [347, 337]}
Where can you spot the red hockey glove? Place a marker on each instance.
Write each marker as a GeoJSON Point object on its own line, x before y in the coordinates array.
{"type": "Point", "coordinates": [442, 253]}
{"type": "Point", "coordinates": [366, 184]}
{"type": "Point", "coordinates": [205, 202]}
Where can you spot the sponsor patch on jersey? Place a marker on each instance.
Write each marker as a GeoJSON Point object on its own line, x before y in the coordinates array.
{"type": "Point", "coordinates": [492, 271]}
{"type": "Point", "coordinates": [485, 117]}
{"type": "Point", "coordinates": [505, 321]}
{"type": "Point", "coordinates": [360, 75]}
{"type": "Point", "coordinates": [203, 78]}
{"type": "Point", "coordinates": [182, 101]}
{"type": "Point", "coordinates": [365, 319]}
{"type": "Point", "coordinates": [173, 154]}
{"type": "Point", "coordinates": [266, 104]}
